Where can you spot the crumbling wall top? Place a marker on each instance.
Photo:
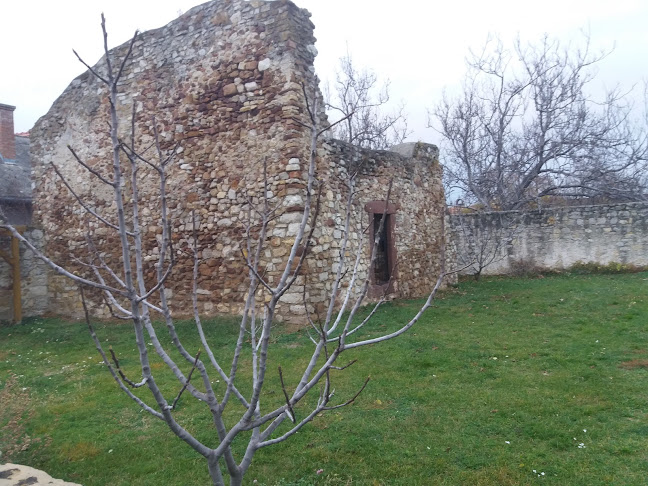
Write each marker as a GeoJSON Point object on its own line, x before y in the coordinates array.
{"type": "Point", "coordinates": [417, 150]}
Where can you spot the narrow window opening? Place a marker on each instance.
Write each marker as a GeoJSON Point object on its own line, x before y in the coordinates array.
{"type": "Point", "coordinates": [383, 271]}
{"type": "Point", "coordinates": [382, 264]}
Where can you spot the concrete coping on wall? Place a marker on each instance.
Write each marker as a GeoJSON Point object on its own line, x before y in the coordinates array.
{"type": "Point", "coordinates": [416, 150]}
{"type": "Point", "coordinates": [468, 211]}
{"type": "Point", "coordinates": [406, 156]}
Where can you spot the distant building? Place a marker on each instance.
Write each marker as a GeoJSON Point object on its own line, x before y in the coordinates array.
{"type": "Point", "coordinates": [22, 294]}
{"type": "Point", "coordinates": [15, 171]}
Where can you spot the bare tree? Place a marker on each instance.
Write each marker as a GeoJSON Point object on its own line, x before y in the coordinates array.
{"type": "Point", "coordinates": [358, 100]}
{"type": "Point", "coordinates": [526, 125]}
{"type": "Point", "coordinates": [131, 295]}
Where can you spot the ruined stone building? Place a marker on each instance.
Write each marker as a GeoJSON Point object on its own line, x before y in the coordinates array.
{"type": "Point", "coordinates": [224, 82]}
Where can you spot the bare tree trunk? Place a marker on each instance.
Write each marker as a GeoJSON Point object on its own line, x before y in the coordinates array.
{"type": "Point", "coordinates": [214, 471]}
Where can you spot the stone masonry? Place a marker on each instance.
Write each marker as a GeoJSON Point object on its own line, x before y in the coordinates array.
{"type": "Point", "coordinates": [556, 238]}
{"type": "Point", "coordinates": [33, 279]}
{"type": "Point", "coordinates": [224, 82]}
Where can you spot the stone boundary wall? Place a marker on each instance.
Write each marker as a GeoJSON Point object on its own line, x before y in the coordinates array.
{"type": "Point", "coordinates": [556, 238]}
{"type": "Point", "coordinates": [34, 278]}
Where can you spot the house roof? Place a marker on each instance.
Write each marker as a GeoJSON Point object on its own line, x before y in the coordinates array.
{"type": "Point", "coordinates": [15, 185]}
{"type": "Point", "coordinates": [15, 178]}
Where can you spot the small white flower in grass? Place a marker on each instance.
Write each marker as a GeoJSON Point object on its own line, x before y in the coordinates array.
{"type": "Point", "coordinates": [110, 451]}
{"type": "Point", "coordinates": [581, 445]}
{"type": "Point", "coordinates": [585, 430]}
{"type": "Point", "coordinates": [507, 442]}
{"type": "Point", "coordinates": [428, 448]}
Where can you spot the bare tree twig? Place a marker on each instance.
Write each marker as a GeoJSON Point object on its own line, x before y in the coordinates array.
{"type": "Point", "coordinates": [184, 387]}
{"type": "Point", "coordinates": [292, 416]}
{"type": "Point", "coordinates": [121, 373]}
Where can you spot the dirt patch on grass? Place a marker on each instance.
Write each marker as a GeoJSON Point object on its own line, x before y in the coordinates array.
{"type": "Point", "coordinates": [79, 451]}
{"type": "Point", "coordinates": [634, 364]}
{"type": "Point", "coordinates": [377, 405]}
{"type": "Point", "coordinates": [14, 412]}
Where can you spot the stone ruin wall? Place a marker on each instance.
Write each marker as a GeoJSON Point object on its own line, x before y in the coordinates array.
{"type": "Point", "coordinates": [557, 238]}
{"type": "Point", "coordinates": [414, 171]}
{"type": "Point", "coordinates": [224, 82]}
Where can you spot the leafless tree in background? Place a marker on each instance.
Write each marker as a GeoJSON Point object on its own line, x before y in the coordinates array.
{"type": "Point", "coordinates": [526, 125]}
{"type": "Point", "coordinates": [126, 290]}
{"type": "Point", "coordinates": [358, 100]}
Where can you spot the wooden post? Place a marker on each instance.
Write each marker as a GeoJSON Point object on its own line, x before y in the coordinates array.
{"type": "Point", "coordinates": [13, 259]}
{"type": "Point", "coordinates": [17, 293]}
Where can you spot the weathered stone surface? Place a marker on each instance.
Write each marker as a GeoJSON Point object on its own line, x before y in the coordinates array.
{"type": "Point", "coordinates": [224, 82]}
{"type": "Point", "coordinates": [33, 274]}
{"type": "Point", "coordinates": [17, 475]}
{"type": "Point", "coordinates": [556, 238]}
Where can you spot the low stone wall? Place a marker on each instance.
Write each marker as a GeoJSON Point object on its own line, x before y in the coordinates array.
{"type": "Point", "coordinates": [555, 238]}
{"type": "Point", "coordinates": [33, 274]}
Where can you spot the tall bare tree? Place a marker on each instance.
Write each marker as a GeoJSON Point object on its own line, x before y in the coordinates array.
{"type": "Point", "coordinates": [526, 125]}
{"type": "Point", "coordinates": [358, 99]}
{"type": "Point", "coordinates": [126, 286]}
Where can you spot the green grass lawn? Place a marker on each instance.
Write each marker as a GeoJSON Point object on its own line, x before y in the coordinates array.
{"type": "Point", "coordinates": [503, 382]}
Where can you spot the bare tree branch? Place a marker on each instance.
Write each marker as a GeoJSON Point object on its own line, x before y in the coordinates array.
{"type": "Point", "coordinates": [523, 132]}
{"type": "Point", "coordinates": [358, 99]}
{"type": "Point", "coordinates": [184, 387]}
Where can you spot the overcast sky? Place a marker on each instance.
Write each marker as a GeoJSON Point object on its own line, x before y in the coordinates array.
{"type": "Point", "coordinates": [419, 45]}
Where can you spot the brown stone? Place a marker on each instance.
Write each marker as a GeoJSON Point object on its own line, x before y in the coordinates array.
{"type": "Point", "coordinates": [230, 90]}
